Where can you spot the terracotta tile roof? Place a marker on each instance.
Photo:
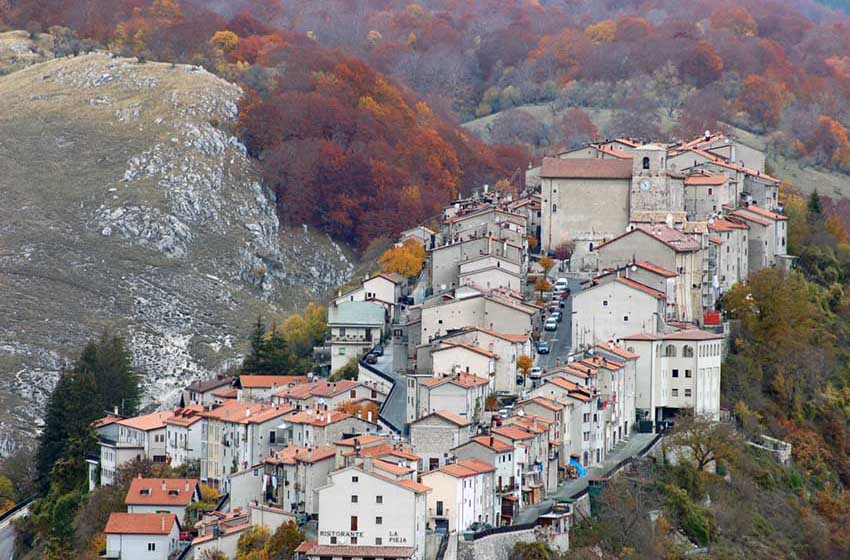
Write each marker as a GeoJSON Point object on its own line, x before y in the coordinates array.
{"type": "Point", "coordinates": [392, 468]}
{"type": "Point", "coordinates": [612, 152]}
{"type": "Point", "coordinates": [140, 523]}
{"type": "Point", "coordinates": [726, 225]}
{"type": "Point", "coordinates": [749, 218]}
{"type": "Point", "coordinates": [603, 362]}
{"type": "Point", "coordinates": [492, 443]}
{"type": "Point", "coordinates": [641, 287]}
{"type": "Point", "coordinates": [365, 439]}
{"type": "Point", "coordinates": [464, 468]}
{"type": "Point", "coordinates": [447, 415]}
{"type": "Point", "coordinates": [415, 486]}
{"type": "Point", "coordinates": [318, 418]}
{"type": "Point", "coordinates": [205, 385]}
{"type": "Point", "coordinates": [466, 346]}
{"type": "Point", "coordinates": [465, 380]}
{"type": "Point", "coordinates": [671, 237]}
{"type": "Point", "coordinates": [627, 142]}
{"type": "Point", "coordinates": [147, 422]}
{"type": "Point", "coordinates": [105, 421]}
{"type": "Point", "coordinates": [386, 450]}
{"type": "Point", "coordinates": [225, 530]}
{"type": "Point", "coordinates": [358, 551]}
{"type": "Point", "coordinates": [765, 213]}
{"type": "Point", "coordinates": [323, 389]}
{"type": "Point", "coordinates": [706, 179]}
{"type": "Point", "coordinates": [226, 393]}
{"type": "Point", "coordinates": [241, 412]}
{"type": "Point", "coordinates": [591, 168]}
{"type": "Point", "coordinates": [293, 454]}
{"type": "Point", "coordinates": [269, 381]}
{"type": "Point", "coordinates": [161, 491]}
{"type": "Point", "coordinates": [306, 546]}
{"type": "Point", "coordinates": [660, 270]}
{"type": "Point", "coordinates": [503, 336]}
{"type": "Point", "coordinates": [618, 351]}
{"type": "Point", "coordinates": [548, 404]}
{"type": "Point", "coordinates": [515, 433]}
{"type": "Point", "coordinates": [581, 396]}
{"type": "Point", "coordinates": [715, 159]}
{"type": "Point", "coordinates": [186, 416]}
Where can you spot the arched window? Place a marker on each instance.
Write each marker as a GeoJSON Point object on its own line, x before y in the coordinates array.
{"type": "Point", "coordinates": [688, 352]}
{"type": "Point", "coordinates": [591, 246]}
{"type": "Point", "coordinates": [554, 208]}
{"type": "Point", "coordinates": [646, 163]}
{"type": "Point", "coordinates": [670, 351]}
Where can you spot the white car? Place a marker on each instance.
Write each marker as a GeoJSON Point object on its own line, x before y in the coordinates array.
{"type": "Point", "coordinates": [561, 284]}
{"type": "Point", "coordinates": [551, 324]}
{"type": "Point", "coordinates": [535, 372]}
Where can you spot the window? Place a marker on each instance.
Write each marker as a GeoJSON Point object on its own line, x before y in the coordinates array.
{"type": "Point", "coordinates": [379, 520]}
{"type": "Point", "coordinates": [379, 541]}
{"type": "Point", "coordinates": [625, 318]}
{"type": "Point", "coordinates": [670, 351]}
{"type": "Point", "coordinates": [591, 246]}
{"type": "Point", "coordinates": [379, 499]}
{"type": "Point", "coordinates": [353, 526]}
{"type": "Point", "coordinates": [151, 546]}
{"type": "Point", "coordinates": [272, 436]}
{"type": "Point", "coordinates": [688, 352]}
{"type": "Point", "coordinates": [554, 208]}
{"type": "Point", "coordinates": [342, 351]}
{"type": "Point", "coordinates": [710, 192]}
{"type": "Point", "coordinates": [687, 373]}
{"type": "Point", "coordinates": [355, 479]}
{"type": "Point", "coordinates": [439, 507]}
{"type": "Point", "coordinates": [354, 498]}
{"type": "Point", "coordinates": [604, 303]}
{"type": "Point", "coordinates": [353, 540]}
{"type": "Point", "coordinates": [675, 392]}
{"type": "Point", "coordinates": [687, 392]}
{"type": "Point", "coordinates": [675, 373]}
{"type": "Point", "coordinates": [333, 540]}
{"type": "Point", "coordinates": [353, 393]}
{"type": "Point", "coordinates": [646, 163]}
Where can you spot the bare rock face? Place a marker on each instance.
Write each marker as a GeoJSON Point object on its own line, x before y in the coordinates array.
{"type": "Point", "coordinates": [126, 203]}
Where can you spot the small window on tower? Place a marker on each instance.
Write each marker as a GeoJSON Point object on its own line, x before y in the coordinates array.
{"type": "Point", "coordinates": [646, 163]}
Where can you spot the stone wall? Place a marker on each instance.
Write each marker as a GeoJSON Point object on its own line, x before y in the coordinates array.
{"type": "Point", "coordinates": [493, 547]}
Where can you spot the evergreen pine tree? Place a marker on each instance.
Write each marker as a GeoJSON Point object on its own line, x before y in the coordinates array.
{"type": "Point", "coordinates": [117, 383]}
{"type": "Point", "coordinates": [72, 408]}
{"type": "Point", "coordinates": [815, 207]}
{"type": "Point", "coordinates": [251, 363]}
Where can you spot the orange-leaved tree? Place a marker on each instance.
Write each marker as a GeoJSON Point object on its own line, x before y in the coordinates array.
{"type": "Point", "coordinates": [405, 259]}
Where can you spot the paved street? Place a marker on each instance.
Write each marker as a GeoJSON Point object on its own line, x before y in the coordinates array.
{"type": "Point", "coordinates": [395, 409]}
{"type": "Point", "coordinates": [559, 340]}
{"type": "Point", "coordinates": [7, 535]}
{"type": "Point", "coordinates": [623, 450]}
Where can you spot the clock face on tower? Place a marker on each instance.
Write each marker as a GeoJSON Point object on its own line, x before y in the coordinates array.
{"type": "Point", "coordinates": [644, 185]}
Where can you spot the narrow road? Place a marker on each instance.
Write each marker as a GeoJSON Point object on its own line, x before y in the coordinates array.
{"type": "Point", "coordinates": [7, 535]}
{"type": "Point", "coordinates": [560, 341]}
{"type": "Point", "coordinates": [623, 450]}
{"type": "Point", "coordinates": [395, 409]}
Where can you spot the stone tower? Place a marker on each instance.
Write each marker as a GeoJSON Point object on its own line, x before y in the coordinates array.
{"type": "Point", "coordinates": [652, 189]}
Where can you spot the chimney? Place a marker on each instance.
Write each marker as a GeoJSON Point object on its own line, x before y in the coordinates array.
{"type": "Point", "coordinates": [163, 523]}
{"type": "Point", "coordinates": [367, 463]}
{"type": "Point", "coordinates": [187, 486]}
{"type": "Point", "coordinates": [115, 410]}
{"type": "Point", "coordinates": [492, 440]}
{"type": "Point", "coordinates": [163, 486]}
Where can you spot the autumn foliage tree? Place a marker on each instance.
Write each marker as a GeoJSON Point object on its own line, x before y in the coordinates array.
{"type": "Point", "coordinates": [406, 259]}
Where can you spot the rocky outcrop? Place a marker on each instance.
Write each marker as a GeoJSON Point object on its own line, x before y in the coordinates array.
{"type": "Point", "coordinates": [128, 204]}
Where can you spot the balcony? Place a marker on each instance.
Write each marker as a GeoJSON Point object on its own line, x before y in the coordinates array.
{"type": "Point", "coordinates": [443, 513]}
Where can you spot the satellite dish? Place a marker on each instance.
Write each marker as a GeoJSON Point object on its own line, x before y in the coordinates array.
{"type": "Point", "coordinates": [520, 412]}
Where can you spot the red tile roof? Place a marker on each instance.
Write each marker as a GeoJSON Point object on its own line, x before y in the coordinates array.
{"type": "Point", "coordinates": [492, 443]}
{"type": "Point", "coordinates": [503, 336]}
{"type": "Point", "coordinates": [612, 152]}
{"type": "Point", "coordinates": [465, 380]}
{"type": "Point", "coordinates": [641, 287]}
{"type": "Point", "coordinates": [415, 486]}
{"type": "Point", "coordinates": [148, 422]}
{"type": "Point", "coordinates": [618, 351]}
{"type": "Point", "coordinates": [542, 401]}
{"type": "Point", "coordinates": [466, 346]}
{"type": "Point", "coordinates": [293, 454]}
{"type": "Point", "coordinates": [242, 412]}
{"type": "Point", "coordinates": [765, 213]}
{"type": "Point", "coordinates": [186, 416]}
{"type": "Point", "coordinates": [450, 416]}
{"type": "Point", "coordinates": [673, 238]}
{"type": "Point", "coordinates": [269, 381]}
{"type": "Point", "coordinates": [515, 433]}
{"type": "Point", "coordinates": [660, 270]}
{"type": "Point", "coordinates": [726, 225]}
{"type": "Point", "coordinates": [706, 179]}
{"type": "Point", "coordinates": [749, 218]}
{"type": "Point", "coordinates": [365, 439]}
{"type": "Point", "coordinates": [592, 168]}
{"type": "Point", "coordinates": [392, 468]}
{"type": "Point", "coordinates": [140, 523]}
{"type": "Point", "coordinates": [161, 491]}
{"type": "Point", "coordinates": [687, 334]}
{"type": "Point", "coordinates": [465, 467]}
{"type": "Point", "coordinates": [318, 418]}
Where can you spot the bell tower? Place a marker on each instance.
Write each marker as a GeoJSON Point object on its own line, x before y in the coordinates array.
{"type": "Point", "coordinates": [651, 186]}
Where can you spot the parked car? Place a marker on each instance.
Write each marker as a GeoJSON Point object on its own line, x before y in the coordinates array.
{"type": "Point", "coordinates": [371, 358]}
{"type": "Point", "coordinates": [556, 315]}
{"type": "Point", "coordinates": [378, 350]}
{"type": "Point", "coordinates": [497, 419]}
{"type": "Point", "coordinates": [543, 347]}
{"type": "Point", "coordinates": [551, 324]}
{"type": "Point", "coordinates": [536, 371]}
{"type": "Point", "coordinates": [561, 284]}
{"type": "Point", "coordinates": [554, 307]}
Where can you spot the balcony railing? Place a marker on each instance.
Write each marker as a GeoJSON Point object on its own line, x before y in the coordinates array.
{"type": "Point", "coordinates": [432, 512]}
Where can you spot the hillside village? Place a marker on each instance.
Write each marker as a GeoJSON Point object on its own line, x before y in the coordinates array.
{"type": "Point", "coordinates": [552, 335]}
